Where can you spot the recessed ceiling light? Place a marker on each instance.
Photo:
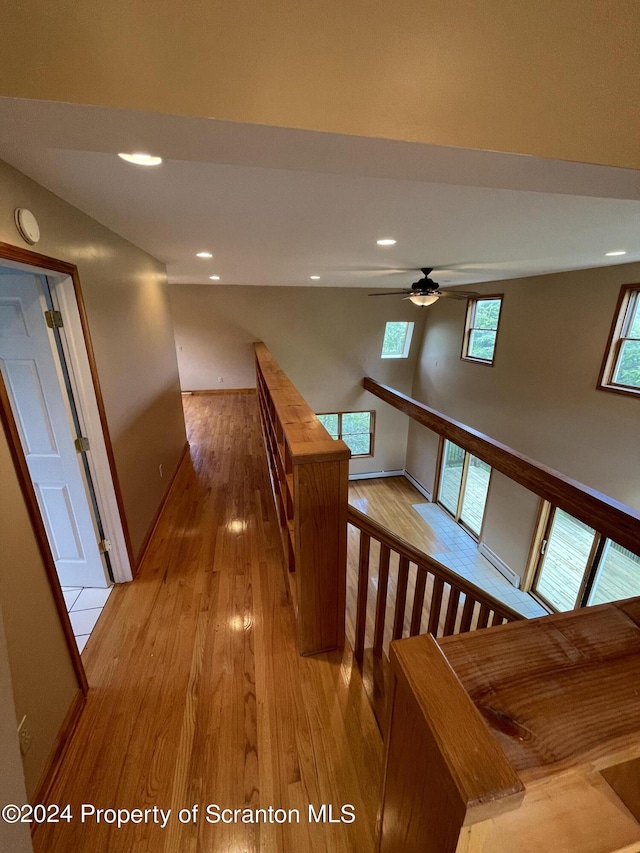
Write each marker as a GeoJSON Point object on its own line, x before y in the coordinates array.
{"type": "Point", "coordinates": [214, 277]}
{"type": "Point", "coordinates": [613, 254]}
{"type": "Point", "coordinates": [386, 241]}
{"type": "Point", "coordinates": [204, 255]}
{"type": "Point", "coordinates": [314, 277]}
{"type": "Point", "coordinates": [141, 159]}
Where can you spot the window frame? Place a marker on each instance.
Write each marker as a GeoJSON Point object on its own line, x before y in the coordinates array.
{"type": "Point", "coordinates": [593, 566]}
{"type": "Point", "coordinates": [372, 429]}
{"type": "Point", "coordinates": [410, 324]}
{"type": "Point", "coordinates": [466, 460]}
{"type": "Point", "coordinates": [469, 327]}
{"type": "Point", "coordinates": [628, 302]}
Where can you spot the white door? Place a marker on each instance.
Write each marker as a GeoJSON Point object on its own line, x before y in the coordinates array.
{"type": "Point", "coordinates": [31, 377]}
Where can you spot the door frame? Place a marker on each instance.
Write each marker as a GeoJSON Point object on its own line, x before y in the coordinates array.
{"type": "Point", "coordinates": [83, 387]}
{"type": "Point", "coordinates": [66, 283]}
{"type": "Point", "coordinates": [457, 516]}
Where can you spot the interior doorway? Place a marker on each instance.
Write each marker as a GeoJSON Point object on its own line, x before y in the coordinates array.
{"type": "Point", "coordinates": [60, 428]}
{"type": "Point", "coordinates": [46, 414]}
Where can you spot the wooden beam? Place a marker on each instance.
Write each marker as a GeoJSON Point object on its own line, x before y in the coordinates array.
{"type": "Point", "coordinates": [613, 519]}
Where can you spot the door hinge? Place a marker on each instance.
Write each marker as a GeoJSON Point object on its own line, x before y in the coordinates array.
{"type": "Point", "coordinates": [54, 319]}
{"type": "Point", "coordinates": [104, 545]}
{"type": "Point", "coordinates": [81, 444]}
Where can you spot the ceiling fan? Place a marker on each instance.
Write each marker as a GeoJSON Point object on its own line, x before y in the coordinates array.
{"type": "Point", "coordinates": [425, 291]}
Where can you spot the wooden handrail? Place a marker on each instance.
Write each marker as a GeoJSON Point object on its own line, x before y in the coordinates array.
{"type": "Point", "coordinates": [414, 555]}
{"type": "Point", "coordinates": [609, 517]}
{"type": "Point", "coordinates": [309, 479]}
{"type": "Point", "coordinates": [445, 773]}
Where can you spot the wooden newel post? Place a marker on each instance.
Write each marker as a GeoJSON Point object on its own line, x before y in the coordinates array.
{"type": "Point", "coordinates": [309, 477]}
{"type": "Point", "coordinates": [446, 777]}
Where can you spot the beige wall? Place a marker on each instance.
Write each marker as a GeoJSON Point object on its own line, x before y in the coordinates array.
{"type": "Point", "coordinates": [14, 837]}
{"type": "Point", "coordinates": [550, 78]}
{"type": "Point", "coordinates": [540, 397]}
{"type": "Point", "coordinates": [125, 294]}
{"type": "Point", "coordinates": [44, 683]}
{"type": "Point", "coordinates": [326, 340]}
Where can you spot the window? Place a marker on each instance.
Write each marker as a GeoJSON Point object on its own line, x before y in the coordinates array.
{"type": "Point", "coordinates": [397, 340]}
{"type": "Point", "coordinates": [578, 567]}
{"type": "Point", "coordinates": [354, 428]}
{"type": "Point", "coordinates": [481, 329]}
{"type": "Point", "coordinates": [463, 486]}
{"type": "Point", "coordinates": [621, 368]}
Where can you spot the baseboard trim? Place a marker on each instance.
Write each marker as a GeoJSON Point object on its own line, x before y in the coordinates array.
{"type": "Point", "coordinates": [211, 391]}
{"type": "Point", "coordinates": [500, 565]}
{"type": "Point", "coordinates": [58, 750]}
{"type": "Point", "coordinates": [417, 485]}
{"type": "Point", "coordinates": [374, 475]}
{"type": "Point", "coordinates": [147, 539]}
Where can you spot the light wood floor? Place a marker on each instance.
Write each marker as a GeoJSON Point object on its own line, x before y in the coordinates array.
{"type": "Point", "coordinates": [197, 692]}
{"type": "Point", "coordinates": [388, 501]}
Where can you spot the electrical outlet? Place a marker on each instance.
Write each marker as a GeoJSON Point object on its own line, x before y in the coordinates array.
{"type": "Point", "coordinates": [24, 734]}
{"type": "Point", "coordinates": [220, 379]}
{"type": "Point", "coordinates": [160, 469]}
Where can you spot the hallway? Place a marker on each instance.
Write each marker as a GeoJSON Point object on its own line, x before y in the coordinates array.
{"type": "Point", "coordinates": [198, 695]}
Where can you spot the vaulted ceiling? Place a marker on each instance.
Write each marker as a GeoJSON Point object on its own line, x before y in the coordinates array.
{"type": "Point", "coordinates": [276, 206]}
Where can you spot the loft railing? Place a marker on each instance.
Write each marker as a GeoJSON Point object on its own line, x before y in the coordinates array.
{"type": "Point", "coordinates": [308, 472]}
{"type": "Point", "coordinates": [609, 517]}
{"type": "Point", "coordinates": [401, 592]}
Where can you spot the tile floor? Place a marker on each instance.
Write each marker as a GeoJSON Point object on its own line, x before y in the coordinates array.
{"type": "Point", "coordinates": [84, 606]}
{"type": "Point", "coordinates": [464, 559]}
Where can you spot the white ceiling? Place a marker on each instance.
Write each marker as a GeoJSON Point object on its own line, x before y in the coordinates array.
{"type": "Point", "coordinates": [277, 205]}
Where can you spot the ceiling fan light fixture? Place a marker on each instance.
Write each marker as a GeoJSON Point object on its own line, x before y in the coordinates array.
{"type": "Point", "coordinates": [424, 299]}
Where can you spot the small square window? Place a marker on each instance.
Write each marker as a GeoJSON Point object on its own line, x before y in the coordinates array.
{"type": "Point", "coordinates": [397, 340]}
{"type": "Point", "coordinates": [481, 329]}
{"type": "Point", "coordinates": [621, 367]}
{"type": "Point", "coordinates": [354, 428]}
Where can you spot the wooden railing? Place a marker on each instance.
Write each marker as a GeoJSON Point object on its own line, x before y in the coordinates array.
{"type": "Point", "coordinates": [309, 478]}
{"type": "Point", "coordinates": [609, 517]}
{"type": "Point", "coordinates": [402, 592]}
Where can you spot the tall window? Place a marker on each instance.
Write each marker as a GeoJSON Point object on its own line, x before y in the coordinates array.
{"type": "Point", "coordinates": [578, 567]}
{"type": "Point", "coordinates": [481, 329]}
{"type": "Point", "coordinates": [397, 340]}
{"type": "Point", "coordinates": [621, 367]}
{"type": "Point", "coordinates": [356, 429]}
{"type": "Point", "coordinates": [463, 486]}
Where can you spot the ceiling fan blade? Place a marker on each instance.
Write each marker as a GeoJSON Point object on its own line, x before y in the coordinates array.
{"type": "Point", "coordinates": [458, 294]}
{"type": "Point", "coordinates": [390, 293]}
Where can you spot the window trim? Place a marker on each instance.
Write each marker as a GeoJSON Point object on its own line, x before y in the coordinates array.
{"type": "Point", "coordinates": [536, 560]}
{"type": "Point", "coordinates": [372, 429]}
{"type": "Point", "coordinates": [408, 338]}
{"type": "Point", "coordinates": [471, 303]}
{"type": "Point", "coordinates": [457, 516]}
{"type": "Point", "coordinates": [614, 343]}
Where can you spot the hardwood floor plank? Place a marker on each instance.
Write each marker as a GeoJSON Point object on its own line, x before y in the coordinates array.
{"type": "Point", "coordinates": [197, 693]}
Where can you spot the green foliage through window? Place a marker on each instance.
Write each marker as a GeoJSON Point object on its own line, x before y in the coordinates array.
{"type": "Point", "coordinates": [354, 428]}
{"type": "Point", "coordinates": [627, 367]}
{"type": "Point", "coordinates": [482, 328]}
{"type": "Point", "coordinates": [397, 340]}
